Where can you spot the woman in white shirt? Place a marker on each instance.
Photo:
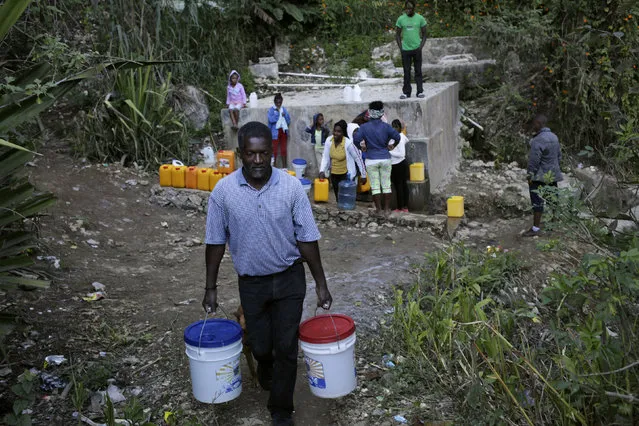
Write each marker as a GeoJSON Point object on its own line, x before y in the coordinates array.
{"type": "Point", "coordinates": [400, 173]}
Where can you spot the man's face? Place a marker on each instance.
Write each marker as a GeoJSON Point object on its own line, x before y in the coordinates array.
{"type": "Point", "coordinates": [320, 120]}
{"type": "Point", "coordinates": [410, 9]}
{"type": "Point", "coordinates": [256, 158]}
{"type": "Point", "coordinates": [278, 103]}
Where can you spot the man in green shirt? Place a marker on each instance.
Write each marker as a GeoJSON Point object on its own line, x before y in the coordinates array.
{"type": "Point", "coordinates": [411, 36]}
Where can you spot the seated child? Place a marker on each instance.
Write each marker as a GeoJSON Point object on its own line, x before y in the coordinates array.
{"type": "Point", "coordinates": [235, 98]}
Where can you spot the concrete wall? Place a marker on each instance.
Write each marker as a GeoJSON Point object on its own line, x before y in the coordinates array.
{"type": "Point", "coordinates": [431, 121]}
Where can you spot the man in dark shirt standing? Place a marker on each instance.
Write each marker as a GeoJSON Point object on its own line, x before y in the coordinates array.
{"type": "Point", "coordinates": [543, 168]}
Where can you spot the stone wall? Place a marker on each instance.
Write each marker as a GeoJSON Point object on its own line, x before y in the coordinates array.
{"type": "Point", "coordinates": [431, 121]}
{"type": "Point", "coordinates": [325, 214]}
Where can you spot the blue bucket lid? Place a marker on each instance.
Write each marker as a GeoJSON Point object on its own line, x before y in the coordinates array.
{"type": "Point", "coordinates": [217, 332]}
{"type": "Point", "coordinates": [305, 182]}
{"type": "Point", "coordinates": [299, 161]}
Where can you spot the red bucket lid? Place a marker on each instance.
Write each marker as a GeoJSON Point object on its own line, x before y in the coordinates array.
{"type": "Point", "coordinates": [321, 329]}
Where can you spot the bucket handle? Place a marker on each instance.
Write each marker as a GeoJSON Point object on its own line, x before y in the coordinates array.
{"type": "Point", "coordinates": [206, 317]}
{"type": "Point", "coordinates": [334, 326]}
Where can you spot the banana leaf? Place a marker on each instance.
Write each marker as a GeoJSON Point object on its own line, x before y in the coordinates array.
{"type": "Point", "coordinates": [13, 195]}
{"type": "Point", "coordinates": [11, 282]}
{"type": "Point", "coordinates": [15, 262]}
{"type": "Point", "coordinates": [12, 160]}
{"type": "Point", "coordinates": [12, 145]}
{"type": "Point", "coordinates": [10, 11]}
{"type": "Point", "coordinates": [26, 209]}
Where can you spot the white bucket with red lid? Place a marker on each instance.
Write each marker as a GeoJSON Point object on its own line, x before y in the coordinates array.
{"type": "Point", "coordinates": [328, 342]}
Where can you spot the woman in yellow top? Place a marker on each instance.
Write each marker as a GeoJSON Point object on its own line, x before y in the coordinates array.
{"type": "Point", "coordinates": [341, 157]}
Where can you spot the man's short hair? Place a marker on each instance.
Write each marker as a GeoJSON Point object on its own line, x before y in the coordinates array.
{"type": "Point", "coordinates": [376, 105]}
{"type": "Point", "coordinates": [541, 119]}
{"type": "Point", "coordinates": [252, 129]}
{"type": "Point", "coordinates": [411, 2]}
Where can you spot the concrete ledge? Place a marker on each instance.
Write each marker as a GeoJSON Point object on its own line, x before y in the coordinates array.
{"type": "Point", "coordinates": [325, 214]}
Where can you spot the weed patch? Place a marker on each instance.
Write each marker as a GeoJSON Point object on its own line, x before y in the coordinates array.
{"type": "Point", "coordinates": [566, 356]}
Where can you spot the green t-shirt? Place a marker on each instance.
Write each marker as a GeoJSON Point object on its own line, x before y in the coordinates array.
{"type": "Point", "coordinates": [411, 30]}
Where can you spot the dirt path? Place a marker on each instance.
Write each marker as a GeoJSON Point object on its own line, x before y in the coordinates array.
{"type": "Point", "coordinates": [150, 259]}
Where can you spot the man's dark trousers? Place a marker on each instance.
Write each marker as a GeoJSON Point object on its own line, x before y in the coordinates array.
{"type": "Point", "coordinates": [416, 57]}
{"type": "Point", "coordinates": [272, 307]}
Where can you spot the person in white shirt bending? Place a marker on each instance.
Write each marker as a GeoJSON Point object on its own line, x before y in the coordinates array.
{"type": "Point", "coordinates": [399, 172]}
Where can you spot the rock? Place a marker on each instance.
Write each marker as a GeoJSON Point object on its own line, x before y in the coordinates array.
{"type": "Point", "coordinates": [195, 199]}
{"type": "Point", "coordinates": [266, 68]}
{"type": "Point", "coordinates": [572, 185]}
{"type": "Point", "coordinates": [463, 58]}
{"type": "Point", "coordinates": [474, 225]}
{"type": "Point", "coordinates": [131, 360]}
{"type": "Point", "coordinates": [620, 226]}
{"type": "Point", "coordinates": [364, 74]}
{"type": "Point", "coordinates": [190, 101]}
{"type": "Point", "coordinates": [604, 194]}
{"type": "Point", "coordinates": [373, 225]}
{"type": "Point", "coordinates": [388, 69]}
{"type": "Point", "coordinates": [378, 412]}
{"type": "Point", "coordinates": [282, 51]}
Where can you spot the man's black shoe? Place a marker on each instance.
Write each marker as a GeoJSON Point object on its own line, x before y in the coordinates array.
{"type": "Point", "coordinates": [282, 420]}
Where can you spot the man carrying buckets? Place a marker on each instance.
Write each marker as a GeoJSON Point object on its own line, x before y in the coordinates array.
{"type": "Point", "coordinates": [266, 218]}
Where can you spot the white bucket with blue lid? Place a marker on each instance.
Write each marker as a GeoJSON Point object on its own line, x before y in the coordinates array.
{"type": "Point", "coordinates": [214, 347]}
{"type": "Point", "coordinates": [306, 184]}
{"type": "Point", "coordinates": [299, 165]}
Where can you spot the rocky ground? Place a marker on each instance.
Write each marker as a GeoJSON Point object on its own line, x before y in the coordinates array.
{"type": "Point", "coordinates": [113, 227]}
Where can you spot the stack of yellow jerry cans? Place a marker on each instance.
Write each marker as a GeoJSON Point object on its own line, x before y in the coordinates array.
{"type": "Point", "coordinates": [204, 179]}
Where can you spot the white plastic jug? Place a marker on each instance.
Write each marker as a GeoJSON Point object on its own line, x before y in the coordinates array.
{"type": "Point", "coordinates": [357, 93]}
{"type": "Point", "coordinates": [208, 154]}
{"type": "Point", "coordinates": [348, 94]}
{"type": "Point", "coordinates": [178, 163]}
{"type": "Point", "coordinates": [253, 100]}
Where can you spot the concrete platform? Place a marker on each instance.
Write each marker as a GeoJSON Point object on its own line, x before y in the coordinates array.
{"type": "Point", "coordinates": [431, 121]}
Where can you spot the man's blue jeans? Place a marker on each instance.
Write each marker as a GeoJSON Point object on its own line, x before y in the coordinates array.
{"type": "Point", "coordinates": [273, 307]}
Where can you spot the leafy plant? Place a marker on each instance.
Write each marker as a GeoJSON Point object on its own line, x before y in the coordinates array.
{"type": "Point", "coordinates": [25, 397]}
{"type": "Point", "coordinates": [137, 123]}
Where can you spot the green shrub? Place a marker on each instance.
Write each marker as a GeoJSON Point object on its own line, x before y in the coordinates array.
{"type": "Point", "coordinates": [577, 63]}
{"type": "Point", "coordinates": [137, 124]}
{"type": "Point", "coordinates": [471, 330]}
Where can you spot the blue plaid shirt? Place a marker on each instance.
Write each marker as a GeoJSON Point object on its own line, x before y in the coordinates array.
{"type": "Point", "coordinates": [261, 227]}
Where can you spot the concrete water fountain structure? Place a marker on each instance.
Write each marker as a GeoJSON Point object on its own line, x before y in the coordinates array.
{"type": "Point", "coordinates": [431, 123]}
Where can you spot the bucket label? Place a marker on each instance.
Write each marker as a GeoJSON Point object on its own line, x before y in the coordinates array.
{"type": "Point", "coordinates": [229, 376]}
{"type": "Point", "coordinates": [315, 373]}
